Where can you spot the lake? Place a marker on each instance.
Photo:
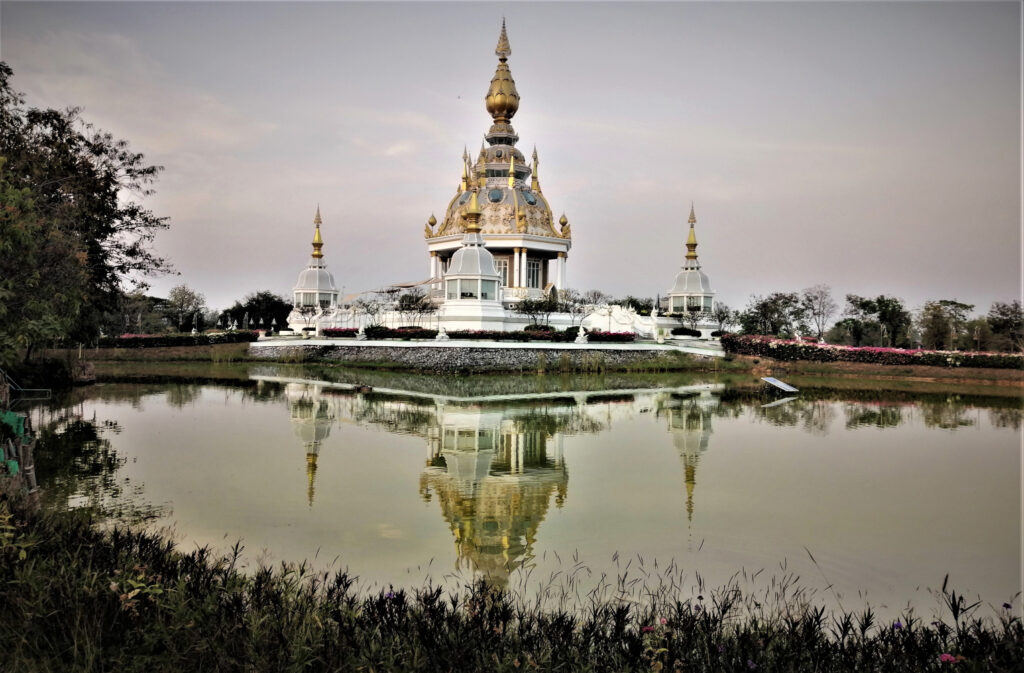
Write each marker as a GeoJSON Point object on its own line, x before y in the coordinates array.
{"type": "Point", "coordinates": [854, 497]}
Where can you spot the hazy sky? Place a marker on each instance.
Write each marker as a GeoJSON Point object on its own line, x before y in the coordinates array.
{"type": "Point", "coordinates": [875, 147]}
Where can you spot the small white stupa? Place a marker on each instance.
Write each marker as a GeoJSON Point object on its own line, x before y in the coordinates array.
{"type": "Point", "coordinates": [692, 289]}
{"type": "Point", "coordinates": [472, 285]}
{"type": "Point", "coordinates": [314, 293]}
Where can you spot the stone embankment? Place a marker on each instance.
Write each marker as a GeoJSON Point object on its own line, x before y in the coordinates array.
{"type": "Point", "coordinates": [464, 356]}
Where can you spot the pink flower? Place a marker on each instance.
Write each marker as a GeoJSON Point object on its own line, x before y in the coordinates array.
{"type": "Point", "coordinates": [947, 658]}
{"type": "Point", "coordinates": [664, 621]}
{"type": "Point", "coordinates": [647, 629]}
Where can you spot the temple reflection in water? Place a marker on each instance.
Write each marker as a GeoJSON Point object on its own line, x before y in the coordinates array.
{"type": "Point", "coordinates": [689, 421]}
{"type": "Point", "coordinates": [496, 468]}
{"type": "Point", "coordinates": [495, 473]}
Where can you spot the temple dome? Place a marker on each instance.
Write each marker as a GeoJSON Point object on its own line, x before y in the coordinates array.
{"type": "Point", "coordinates": [316, 278]}
{"type": "Point", "coordinates": [691, 281]}
{"type": "Point", "coordinates": [472, 259]}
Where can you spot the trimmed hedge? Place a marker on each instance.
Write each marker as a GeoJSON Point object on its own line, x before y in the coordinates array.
{"type": "Point", "coordinates": [340, 332]}
{"type": "Point", "coordinates": [170, 340]}
{"type": "Point", "coordinates": [789, 350]}
{"type": "Point", "coordinates": [611, 337]}
{"type": "Point", "coordinates": [685, 331]}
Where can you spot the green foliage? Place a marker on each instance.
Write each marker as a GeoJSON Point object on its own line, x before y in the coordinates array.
{"type": "Point", "coordinates": [73, 234]}
{"type": "Point", "coordinates": [263, 305]}
{"type": "Point", "coordinates": [42, 273]}
{"type": "Point", "coordinates": [882, 321]}
{"type": "Point", "coordinates": [165, 340]}
{"type": "Point", "coordinates": [538, 310]}
{"type": "Point", "coordinates": [82, 599]}
{"type": "Point", "coordinates": [1006, 321]}
{"type": "Point", "coordinates": [184, 308]}
{"type": "Point", "coordinates": [943, 323]}
{"type": "Point", "coordinates": [778, 314]}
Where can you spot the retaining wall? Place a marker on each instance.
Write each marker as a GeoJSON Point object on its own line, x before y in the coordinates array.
{"type": "Point", "coordinates": [466, 356]}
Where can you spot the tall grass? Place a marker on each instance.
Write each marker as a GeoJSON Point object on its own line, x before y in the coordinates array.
{"type": "Point", "coordinates": [73, 598]}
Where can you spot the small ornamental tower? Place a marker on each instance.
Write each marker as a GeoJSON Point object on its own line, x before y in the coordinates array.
{"type": "Point", "coordinates": [692, 289]}
{"type": "Point", "coordinates": [472, 286]}
{"type": "Point", "coordinates": [315, 286]}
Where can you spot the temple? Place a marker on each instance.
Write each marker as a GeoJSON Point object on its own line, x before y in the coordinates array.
{"type": "Point", "coordinates": [692, 289]}
{"type": "Point", "coordinates": [515, 220]}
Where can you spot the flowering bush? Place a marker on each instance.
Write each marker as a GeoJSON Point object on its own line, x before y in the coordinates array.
{"type": "Point", "coordinates": [166, 340]}
{"type": "Point", "coordinates": [611, 337]}
{"type": "Point", "coordinates": [790, 350]}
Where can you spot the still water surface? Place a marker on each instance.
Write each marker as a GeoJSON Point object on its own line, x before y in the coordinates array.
{"type": "Point", "coordinates": [889, 493]}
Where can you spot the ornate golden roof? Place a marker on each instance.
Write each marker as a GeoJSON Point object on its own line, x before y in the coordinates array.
{"type": "Point", "coordinates": [509, 201]}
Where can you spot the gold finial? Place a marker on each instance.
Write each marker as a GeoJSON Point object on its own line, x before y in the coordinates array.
{"type": "Point", "coordinates": [535, 180]}
{"type": "Point", "coordinates": [691, 238]}
{"type": "Point", "coordinates": [432, 221]}
{"type": "Point", "coordinates": [472, 214]}
{"type": "Point", "coordinates": [563, 220]}
{"type": "Point", "coordinates": [464, 183]}
{"type": "Point", "coordinates": [511, 170]}
{"type": "Point", "coordinates": [503, 50]}
{"type": "Point", "coordinates": [318, 243]}
{"type": "Point", "coordinates": [502, 99]}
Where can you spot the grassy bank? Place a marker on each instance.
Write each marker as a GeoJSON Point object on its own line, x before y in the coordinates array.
{"type": "Point", "coordinates": [77, 599]}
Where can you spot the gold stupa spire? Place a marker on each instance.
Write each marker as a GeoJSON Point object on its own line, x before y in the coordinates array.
{"type": "Point", "coordinates": [502, 99]}
{"type": "Point", "coordinates": [535, 180]}
{"type": "Point", "coordinates": [691, 239]}
{"type": "Point", "coordinates": [511, 170]}
{"type": "Point", "coordinates": [318, 243]}
{"type": "Point", "coordinates": [464, 184]}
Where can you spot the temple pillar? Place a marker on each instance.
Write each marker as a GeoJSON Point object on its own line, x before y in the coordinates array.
{"type": "Point", "coordinates": [560, 273]}
{"type": "Point", "coordinates": [515, 267]}
{"type": "Point", "coordinates": [522, 267]}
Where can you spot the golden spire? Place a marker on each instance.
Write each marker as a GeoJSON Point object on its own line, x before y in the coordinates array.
{"type": "Point", "coordinates": [432, 221]}
{"type": "Point", "coordinates": [464, 184]}
{"type": "Point", "coordinates": [318, 242]}
{"type": "Point", "coordinates": [535, 181]}
{"type": "Point", "coordinates": [472, 214]}
{"type": "Point", "coordinates": [511, 170]}
{"type": "Point", "coordinates": [502, 99]}
{"type": "Point", "coordinates": [691, 239]}
{"type": "Point", "coordinates": [503, 50]}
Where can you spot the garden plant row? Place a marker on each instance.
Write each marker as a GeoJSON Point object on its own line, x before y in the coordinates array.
{"type": "Point", "coordinates": [790, 350]}
{"type": "Point", "coordinates": [408, 333]}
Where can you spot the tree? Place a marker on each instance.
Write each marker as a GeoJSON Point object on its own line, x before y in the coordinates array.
{"type": "Point", "coordinates": [882, 321]}
{"type": "Point", "coordinates": [265, 305]}
{"type": "Point", "coordinates": [694, 317]}
{"type": "Point", "coordinates": [819, 306]}
{"type": "Point", "coordinates": [943, 323]}
{"type": "Point", "coordinates": [595, 297]}
{"type": "Point", "coordinates": [723, 315]}
{"type": "Point", "coordinates": [42, 272]}
{"type": "Point", "coordinates": [1006, 320]}
{"type": "Point", "coordinates": [182, 305]}
{"type": "Point", "coordinates": [641, 306]}
{"type": "Point", "coordinates": [778, 314]}
{"type": "Point", "coordinates": [415, 303]}
{"type": "Point", "coordinates": [573, 303]}
{"type": "Point", "coordinates": [537, 310]}
{"type": "Point", "coordinates": [80, 182]}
